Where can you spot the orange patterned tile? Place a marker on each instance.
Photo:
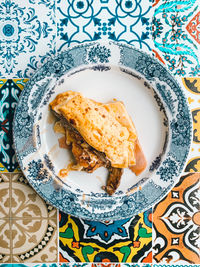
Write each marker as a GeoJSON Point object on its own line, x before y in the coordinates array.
{"type": "Point", "coordinates": [176, 221]}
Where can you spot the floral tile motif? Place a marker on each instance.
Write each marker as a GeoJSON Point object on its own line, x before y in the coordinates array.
{"type": "Point", "coordinates": [26, 203]}
{"type": "Point", "coordinates": [176, 224]}
{"type": "Point", "coordinates": [27, 35]}
{"type": "Point", "coordinates": [34, 240]}
{"type": "Point", "coordinates": [192, 90]}
{"type": "Point", "coordinates": [9, 95]}
{"type": "Point", "coordinates": [86, 20]}
{"type": "Point", "coordinates": [193, 27]}
{"type": "Point", "coordinates": [175, 30]}
{"type": "Point", "coordinates": [29, 231]}
{"type": "Point", "coordinates": [127, 240]}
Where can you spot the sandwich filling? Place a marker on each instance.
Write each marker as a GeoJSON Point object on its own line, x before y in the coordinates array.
{"type": "Point", "coordinates": [99, 135]}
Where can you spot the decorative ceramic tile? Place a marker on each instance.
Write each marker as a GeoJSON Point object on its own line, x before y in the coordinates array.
{"type": "Point", "coordinates": [27, 35]}
{"type": "Point", "coordinates": [30, 224]}
{"type": "Point", "coordinates": [69, 264]}
{"type": "Point", "coordinates": [5, 241]}
{"type": "Point", "coordinates": [174, 265]}
{"type": "Point", "coordinates": [26, 203]}
{"type": "Point", "coordinates": [4, 196]}
{"type": "Point", "coordinates": [176, 223]}
{"type": "Point", "coordinates": [192, 90]}
{"type": "Point", "coordinates": [175, 30]}
{"type": "Point", "coordinates": [127, 240]}
{"type": "Point", "coordinates": [34, 240]}
{"type": "Point", "coordinates": [30, 265]}
{"type": "Point", "coordinates": [86, 20]}
{"type": "Point", "coordinates": [9, 94]}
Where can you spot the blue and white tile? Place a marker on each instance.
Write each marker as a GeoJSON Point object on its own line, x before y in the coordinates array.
{"type": "Point", "coordinates": [86, 20]}
{"type": "Point", "coordinates": [27, 36]}
{"type": "Point", "coordinates": [10, 90]}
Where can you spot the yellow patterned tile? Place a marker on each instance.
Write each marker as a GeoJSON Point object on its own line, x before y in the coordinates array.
{"type": "Point", "coordinates": [20, 82]}
{"type": "Point", "coordinates": [192, 85]}
{"type": "Point", "coordinates": [2, 82]}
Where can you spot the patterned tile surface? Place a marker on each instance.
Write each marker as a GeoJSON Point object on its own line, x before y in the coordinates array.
{"type": "Point", "coordinates": [69, 264]}
{"type": "Point", "coordinates": [30, 32]}
{"type": "Point", "coordinates": [112, 241]}
{"type": "Point", "coordinates": [176, 223]}
{"type": "Point", "coordinates": [175, 30]}
{"type": "Point", "coordinates": [192, 90]}
{"type": "Point", "coordinates": [95, 265]}
{"type": "Point", "coordinates": [28, 225]}
{"type": "Point", "coordinates": [125, 21]}
{"type": "Point", "coordinates": [9, 95]}
{"type": "Point", "coordinates": [27, 35]}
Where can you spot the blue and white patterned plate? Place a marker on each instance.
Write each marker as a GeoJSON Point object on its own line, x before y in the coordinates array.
{"type": "Point", "coordinates": [103, 72]}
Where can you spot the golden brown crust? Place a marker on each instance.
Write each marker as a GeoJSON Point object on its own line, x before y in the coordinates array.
{"type": "Point", "coordinates": [99, 135]}
{"type": "Point", "coordinates": [61, 99]}
{"type": "Point", "coordinates": [100, 129]}
{"type": "Point", "coordinates": [106, 127]}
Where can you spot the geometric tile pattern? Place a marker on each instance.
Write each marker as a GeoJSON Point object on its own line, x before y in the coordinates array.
{"type": "Point", "coordinates": [83, 265]}
{"type": "Point", "coordinates": [175, 31]}
{"type": "Point", "coordinates": [27, 36]}
{"type": "Point", "coordinates": [176, 223]}
{"type": "Point", "coordinates": [127, 240]}
{"type": "Point", "coordinates": [28, 225]}
{"type": "Point", "coordinates": [30, 32]}
{"type": "Point", "coordinates": [69, 264]}
{"type": "Point", "coordinates": [123, 21]}
{"type": "Point", "coordinates": [191, 87]}
{"type": "Point", "coordinates": [9, 95]}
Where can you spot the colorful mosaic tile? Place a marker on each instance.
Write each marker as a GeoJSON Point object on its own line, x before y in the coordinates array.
{"type": "Point", "coordinates": [175, 265]}
{"type": "Point", "coordinates": [175, 30]}
{"type": "Point", "coordinates": [192, 91]}
{"type": "Point", "coordinates": [9, 95]}
{"type": "Point", "coordinates": [82, 265]}
{"type": "Point", "coordinates": [27, 36]}
{"type": "Point", "coordinates": [176, 223]}
{"type": "Point", "coordinates": [28, 225]}
{"type": "Point", "coordinates": [124, 21]}
{"type": "Point", "coordinates": [111, 241]}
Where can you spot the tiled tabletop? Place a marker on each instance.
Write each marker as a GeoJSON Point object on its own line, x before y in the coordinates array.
{"type": "Point", "coordinates": [34, 233]}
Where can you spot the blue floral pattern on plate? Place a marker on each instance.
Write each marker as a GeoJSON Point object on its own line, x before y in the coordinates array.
{"type": "Point", "coordinates": [100, 206]}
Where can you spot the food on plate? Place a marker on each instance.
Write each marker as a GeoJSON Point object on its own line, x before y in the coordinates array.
{"type": "Point", "coordinates": [99, 135]}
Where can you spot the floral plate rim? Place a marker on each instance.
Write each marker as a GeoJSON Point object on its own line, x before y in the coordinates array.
{"type": "Point", "coordinates": [102, 207]}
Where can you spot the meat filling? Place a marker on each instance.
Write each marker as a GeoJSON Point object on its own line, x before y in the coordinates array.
{"type": "Point", "coordinates": [89, 158]}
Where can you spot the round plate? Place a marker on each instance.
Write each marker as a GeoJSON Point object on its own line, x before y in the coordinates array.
{"type": "Point", "coordinates": [104, 72]}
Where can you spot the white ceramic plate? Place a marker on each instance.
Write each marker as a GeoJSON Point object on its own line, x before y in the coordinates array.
{"type": "Point", "coordinates": [104, 72]}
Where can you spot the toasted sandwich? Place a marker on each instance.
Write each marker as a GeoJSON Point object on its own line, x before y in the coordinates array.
{"type": "Point", "coordinates": [99, 135]}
